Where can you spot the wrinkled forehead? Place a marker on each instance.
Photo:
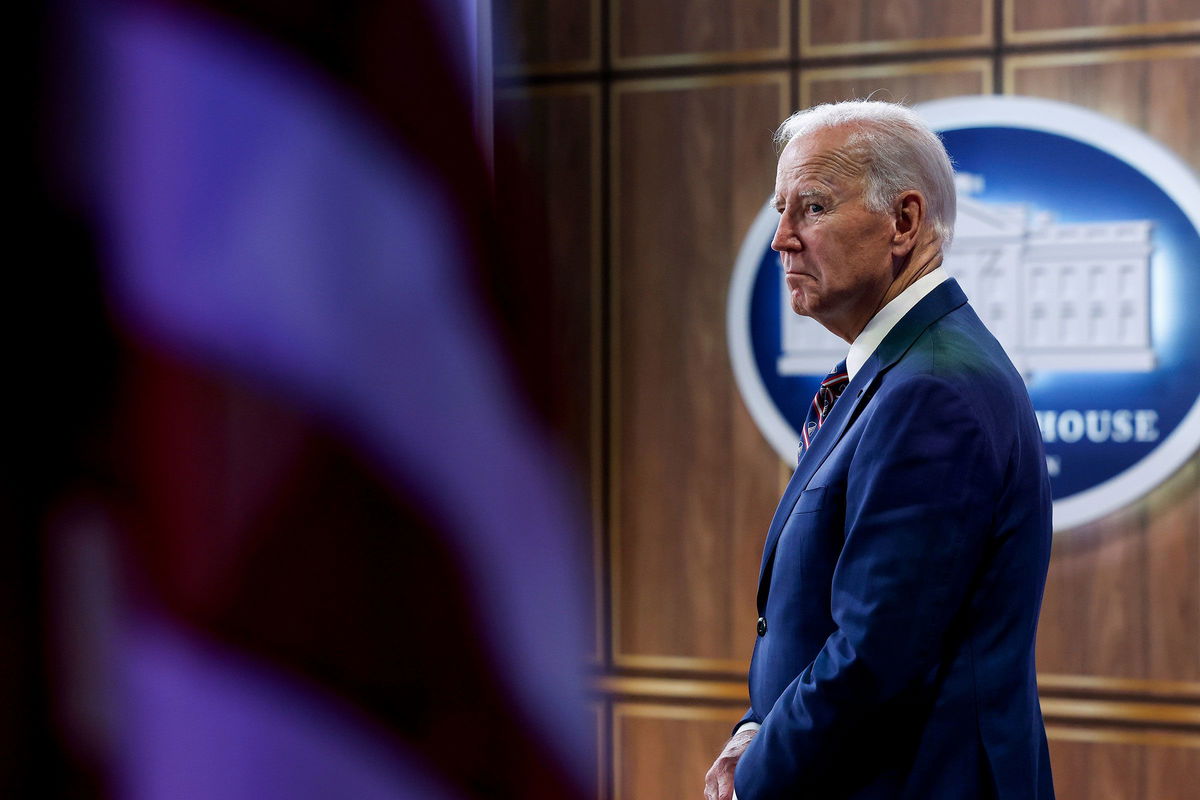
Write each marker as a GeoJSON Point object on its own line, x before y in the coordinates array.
{"type": "Point", "coordinates": [827, 157]}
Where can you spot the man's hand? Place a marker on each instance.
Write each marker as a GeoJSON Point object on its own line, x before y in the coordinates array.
{"type": "Point", "coordinates": [718, 783]}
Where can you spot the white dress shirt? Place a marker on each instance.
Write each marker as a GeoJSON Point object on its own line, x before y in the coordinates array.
{"type": "Point", "coordinates": [882, 323]}
{"type": "Point", "coordinates": [872, 335]}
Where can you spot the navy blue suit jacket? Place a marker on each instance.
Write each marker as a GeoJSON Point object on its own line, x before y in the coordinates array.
{"type": "Point", "coordinates": [901, 583]}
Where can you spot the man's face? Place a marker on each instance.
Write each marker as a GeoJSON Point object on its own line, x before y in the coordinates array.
{"type": "Point", "coordinates": [836, 254]}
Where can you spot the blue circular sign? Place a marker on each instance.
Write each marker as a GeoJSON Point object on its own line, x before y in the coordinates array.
{"type": "Point", "coordinates": [1077, 241]}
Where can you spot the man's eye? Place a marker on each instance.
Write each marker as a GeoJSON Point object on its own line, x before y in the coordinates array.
{"type": "Point", "coordinates": [814, 208]}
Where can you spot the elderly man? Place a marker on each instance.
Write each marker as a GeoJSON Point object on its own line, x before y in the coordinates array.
{"type": "Point", "coordinates": [903, 571]}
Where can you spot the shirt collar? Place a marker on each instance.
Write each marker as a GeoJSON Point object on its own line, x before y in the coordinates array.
{"type": "Point", "coordinates": [882, 323]}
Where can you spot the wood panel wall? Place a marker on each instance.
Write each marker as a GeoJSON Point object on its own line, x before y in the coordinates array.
{"type": "Point", "coordinates": [649, 123]}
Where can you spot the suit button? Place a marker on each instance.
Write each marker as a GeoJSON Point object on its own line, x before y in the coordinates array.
{"type": "Point", "coordinates": [762, 626]}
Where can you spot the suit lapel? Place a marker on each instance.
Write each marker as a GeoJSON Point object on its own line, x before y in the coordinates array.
{"type": "Point", "coordinates": [935, 305]}
{"type": "Point", "coordinates": [844, 411]}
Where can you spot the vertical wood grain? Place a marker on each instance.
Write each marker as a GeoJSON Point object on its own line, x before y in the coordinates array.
{"type": "Point", "coordinates": [660, 32]}
{"type": "Point", "coordinates": [1123, 771]}
{"type": "Point", "coordinates": [603, 748]}
{"type": "Point", "coordinates": [1147, 88]}
{"type": "Point", "coordinates": [1070, 763]}
{"type": "Point", "coordinates": [693, 481]}
{"type": "Point", "coordinates": [1173, 591]}
{"type": "Point", "coordinates": [1117, 771]}
{"type": "Point", "coordinates": [1063, 624]}
{"type": "Point", "coordinates": [1034, 17]}
{"type": "Point", "coordinates": [1172, 773]}
{"type": "Point", "coordinates": [1114, 587]}
{"type": "Point", "coordinates": [664, 751]}
{"type": "Point", "coordinates": [867, 26]}
{"type": "Point", "coordinates": [549, 35]}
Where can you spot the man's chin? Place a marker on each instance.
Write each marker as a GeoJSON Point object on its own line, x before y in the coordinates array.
{"type": "Point", "coordinates": [800, 305]}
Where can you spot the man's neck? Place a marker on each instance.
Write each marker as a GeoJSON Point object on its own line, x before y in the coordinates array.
{"type": "Point", "coordinates": [909, 276]}
{"type": "Point", "coordinates": [887, 317]}
{"type": "Point", "coordinates": [917, 266]}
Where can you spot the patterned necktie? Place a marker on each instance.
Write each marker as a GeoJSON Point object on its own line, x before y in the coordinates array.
{"type": "Point", "coordinates": [818, 411]}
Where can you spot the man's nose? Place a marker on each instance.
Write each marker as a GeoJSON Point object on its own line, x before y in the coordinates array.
{"type": "Point", "coordinates": [785, 236]}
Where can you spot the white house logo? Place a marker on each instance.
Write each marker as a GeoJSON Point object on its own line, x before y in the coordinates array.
{"type": "Point", "coordinates": [1078, 243]}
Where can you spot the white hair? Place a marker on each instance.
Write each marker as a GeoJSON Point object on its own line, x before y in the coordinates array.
{"type": "Point", "coordinates": [901, 152]}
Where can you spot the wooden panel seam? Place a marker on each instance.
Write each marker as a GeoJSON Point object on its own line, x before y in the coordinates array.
{"type": "Point", "coordinates": [1061, 708]}
{"type": "Point", "coordinates": [1066, 733]}
{"type": "Point", "coordinates": [673, 687]}
{"type": "Point", "coordinates": [679, 663]}
{"type": "Point", "coordinates": [1051, 683]}
{"type": "Point", "coordinates": [1043, 60]}
{"type": "Point", "coordinates": [985, 38]}
{"type": "Point", "coordinates": [1048, 683]}
{"type": "Point", "coordinates": [808, 77]}
{"type": "Point", "coordinates": [1053, 708]}
{"type": "Point", "coordinates": [1090, 32]}
{"type": "Point", "coordinates": [663, 711]}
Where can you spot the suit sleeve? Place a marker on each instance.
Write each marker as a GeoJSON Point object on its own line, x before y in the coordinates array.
{"type": "Point", "coordinates": [747, 718]}
{"type": "Point", "coordinates": [921, 490]}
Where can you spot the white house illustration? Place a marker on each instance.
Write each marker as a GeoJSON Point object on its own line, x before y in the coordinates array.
{"type": "Point", "coordinates": [1061, 297]}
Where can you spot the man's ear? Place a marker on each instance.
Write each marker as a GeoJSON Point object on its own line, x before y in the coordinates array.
{"type": "Point", "coordinates": [909, 221]}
